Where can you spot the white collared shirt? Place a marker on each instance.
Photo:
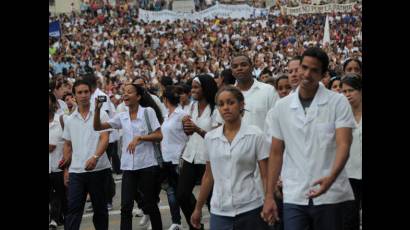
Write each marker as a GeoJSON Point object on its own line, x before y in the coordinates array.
{"type": "Point", "coordinates": [55, 133]}
{"type": "Point", "coordinates": [259, 99]}
{"type": "Point", "coordinates": [354, 164]}
{"type": "Point", "coordinates": [187, 107]}
{"type": "Point", "coordinates": [84, 140]}
{"type": "Point", "coordinates": [310, 142]}
{"type": "Point", "coordinates": [143, 156]}
{"type": "Point", "coordinates": [194, 150]}
{"type": "Point", "coordinates": [236, 188]}
{"type": "Point", "coordinates": [174, 138]}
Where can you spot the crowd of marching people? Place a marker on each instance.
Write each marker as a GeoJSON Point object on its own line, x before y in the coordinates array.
{"type": "Point", "coordinates": [260, 113]}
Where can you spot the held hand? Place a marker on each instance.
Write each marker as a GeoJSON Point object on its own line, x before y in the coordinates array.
{"type": "Point", "coordinates": [270, 211]}
{"type": "Point", "coordinates": [90, 164]}
{"type": "Point", "coordinates": [131, 146]}
{"type": "Point", "coordinates": [98, 104]}
{"type": "Point", "coordinates": [189, 126]}
{"type": "Point", "coordinates": [63, 163]}
{"type": "Point", "coordinates": [324, 183]}
{"type": "Point", "coordinates": [196, 218]}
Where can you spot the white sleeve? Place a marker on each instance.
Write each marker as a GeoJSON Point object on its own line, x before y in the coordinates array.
{"type": "Point", "coordinates": [272, 98]}
{"type": "Point", "coordinates": [344, 114]}
{"type": "Point", "coordinates": [272, 127]}
{"type": "Point", "coordinates": [53, 136]}
{"type": "Point", "coordinates": [115, 122]}
{"type": "Point", "coordinates": [216, 118]}
{"type": "Point", "coordinates": [263, 147]}
{"type": "Point", "coordinates": [66, 132]}
{"type": "Point", "coordinates": [208, 143]}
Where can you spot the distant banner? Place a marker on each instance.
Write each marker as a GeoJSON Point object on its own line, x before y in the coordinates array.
{"type": "Point", "coordinates": [54, 29]}
{"type": "Point", "coordinates": [218, 10]}
{"type": "Point", "coordinates": [318, 9]}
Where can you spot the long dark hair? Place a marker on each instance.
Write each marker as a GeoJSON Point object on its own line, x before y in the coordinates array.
{"type": "Point", "coordinates": [209, 89]}
{"type": "Point", "coordinates": [147, 101]}
{"type": "Point", "coordinates": [54, 103]}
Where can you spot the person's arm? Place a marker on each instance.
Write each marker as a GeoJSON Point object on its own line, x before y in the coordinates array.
{"type": "Point", "coordinates": [270, 211]}
{"type": "Point", "coordinates": [97, 120]}
{"type": "Point", "coordinates": [206, 186]}
{"type": "Point", "coordinates": [101, 147]}
{"type": "Point", "coordinates": [155, 136]}
{"type": "Point", "coordinates": [263, 167]}
{"type": "Point", "coordinates": [67, 152]}
{"type": "Point", "coordinates": [343, 142]}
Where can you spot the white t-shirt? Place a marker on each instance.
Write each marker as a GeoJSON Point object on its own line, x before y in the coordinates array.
{"type": "Point", "coordinates": [354, 164]}
{"type": "Point", "coordinates": [143, 156]}
{"type": "Point", "coordinates": [194, 150]}
{"type": "Point", "coordinates": [310, 142]}
{"type": "Point", "coordinates": [236, 189]}
{"type": "Point", "coordinates": [174, 138]}
{"type": "Point", "coordinates": [55, 133]}
{"type": "Point", "coordinates": [84, 140]}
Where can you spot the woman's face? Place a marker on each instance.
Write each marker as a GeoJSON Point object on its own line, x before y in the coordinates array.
{"type": "Point", "coordinates": [196, 91]}
{"type": "Point", "coordinates": [353, 96]}
{"type": "Point", "coordinates": [353, 67]}
{"type": "Point", "coordinates": [284, 87]}
{"type": "Point", "coordinates": [229, 107]}
{"type": "Point", "coordinates": [59, 93]}
{"type": "Point", "coordinates": [336, 86]}
{"type": "Point", "coordinates": [131, 97]}
{"type": "Point", "coordinates": [70, 101]}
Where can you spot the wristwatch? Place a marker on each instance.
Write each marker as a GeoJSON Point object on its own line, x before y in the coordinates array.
{"type": "Point", "coordinates": [96, 157]}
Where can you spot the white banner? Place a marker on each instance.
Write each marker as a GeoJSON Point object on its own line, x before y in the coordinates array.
{"type": "Point", "coordinates": [315, 9]}
{"type": "Point", "coordinates": [218, 10]}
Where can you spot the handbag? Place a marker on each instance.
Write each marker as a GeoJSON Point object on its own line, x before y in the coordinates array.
{"type": "Point", "coordinates": [157, 146]}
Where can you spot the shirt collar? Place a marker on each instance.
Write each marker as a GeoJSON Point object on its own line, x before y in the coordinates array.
{"type": "Point", "coordinates": [320, 97]}
{"type": "Point", "coordinates": [255, 85]}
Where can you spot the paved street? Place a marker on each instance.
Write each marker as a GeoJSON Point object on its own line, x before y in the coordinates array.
{"type": "Point", "coordinates": [114, 218]}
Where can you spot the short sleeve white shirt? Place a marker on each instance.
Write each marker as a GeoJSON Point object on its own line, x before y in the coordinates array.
{"type": "Point", "coordinates": [143, 156]}
{"type": "Point", "coordinates": [174, 138]}
{"type": "Point", "coordinates": [194, 150]}
{"type": "Point", "coordinates": [354, 164]}
{"type": "Point", "coordinates": [84, 140]}
{"type": "Point", "coordinates": [55, 133]}
{"type": "Point", "coordinates": [310, 142]}
{"type": "Point", "coordinates": [236, 188]}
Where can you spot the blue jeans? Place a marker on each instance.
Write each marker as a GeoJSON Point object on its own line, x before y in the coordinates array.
{"type": "Point", "coordinates": [250, 220]}
{"type": "Point", "coordinates": [172, 179]}
{"type": "Point", "coordinates": [79, 185]}
{"type": "Point", "coordinates": [313, 217]}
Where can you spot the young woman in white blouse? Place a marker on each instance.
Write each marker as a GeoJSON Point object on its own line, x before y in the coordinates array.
{"type": "Point", "coordinates": [202, 118]}
{"type": "Point", "coordinates": [351, 85]}
{"type": "Point", "coordinates": [138, 161]}
{"type": "Point", "coordinates": [232, 153]}
{"type": "Point", "coordinates": [172, 145]}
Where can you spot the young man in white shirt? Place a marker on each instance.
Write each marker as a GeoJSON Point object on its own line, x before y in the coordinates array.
{"type": "Point", "coordinates": [315, 125]}
{"type": "Point", "coordinates": [259, 97]}
{"type": "Point", "coordinates": [109, 108]}
{"type": "Point", "coordinates": [88, 165]}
